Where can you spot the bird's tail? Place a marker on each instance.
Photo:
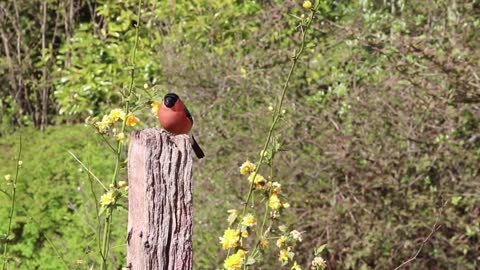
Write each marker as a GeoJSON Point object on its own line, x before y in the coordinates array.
{"type": "Point", "coordinates": [196, 148]}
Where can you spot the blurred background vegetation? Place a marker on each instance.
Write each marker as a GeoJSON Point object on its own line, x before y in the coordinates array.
{"type": "Point", "coordinates": [380, 138]}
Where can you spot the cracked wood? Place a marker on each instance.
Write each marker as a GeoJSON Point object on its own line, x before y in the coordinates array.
{"type": "Point", "coordinates": [159, 201]}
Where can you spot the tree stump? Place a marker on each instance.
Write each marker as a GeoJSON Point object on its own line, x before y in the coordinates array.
{"type": "Point", "coordinates": [159, 201]}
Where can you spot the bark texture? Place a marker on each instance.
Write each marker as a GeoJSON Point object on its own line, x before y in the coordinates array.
{"type": "Point", "coordinates": [159, 201]}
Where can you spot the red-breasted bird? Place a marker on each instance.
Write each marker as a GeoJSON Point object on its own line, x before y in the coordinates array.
{"type": "Point", "coordinates": [174, 117]}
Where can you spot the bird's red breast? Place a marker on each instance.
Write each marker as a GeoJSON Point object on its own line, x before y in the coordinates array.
{"type": "Point", "coordinates": [174, 119]}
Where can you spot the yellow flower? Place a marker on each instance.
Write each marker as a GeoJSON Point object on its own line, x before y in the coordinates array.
{"type": "Point", "coordinates": [263, 244]}
{"type": "Point", "coordinates": [132, 120]}
{"type": "Point", "coordinates": [247, 168]}
{"type": "Point", "coordinates": [296, 235]}
{"type": "Point", "coordinates": [249, 220]}
{"type": "Point", "coordinates": [122, 184]}
{"type": "Point", "coordinates": [107, 198]}
{"type": "Point", "coordinates": [268, 185]}
{"type": "Point", "coordinates": [79, 261]}
{"type": "Point", "coordinates": [259, 180]}
{"type": "Point", "coordinates": [286, 205]}
{"type": "Point", "coordinates": [230, 238]}
{"type": "Point", "coordinates": [120, 136]}
{"type": "Point", "coordinates": [103, 125]}
{"type": "Point", "coordinates": [235, 261]}
{"type": "Point", "coordinates": [319, 263]}
{"type": "Point", "coordinates": [243, 72]}
{"type": "Point", "coordinates": [145, 85]}
{"type": "Point", "coordinates": [116, 114]}
{"type": "Point", "coordinates": [281, 241]}
{"type": "Point", "coordinates": [277, 188]}
{"type": "Point", "coordinates": [155, 107]}
{"type": "Point", "coordinates": [307, 4]}
{"type": "Point", "coordinates": [283, 257]}
{"type": "Point", "coordinates": [295, 266]}
{"type": "Point", "coordinates": [8, 177]}
{"type": "Point", "coordinates": [245, 234]}
{"type": "Point", "coordinates": [20, 163]}
{"type": "Point", "coordinates": [274, 202]}
{"type": "Point", "coordinates": [233, 214]}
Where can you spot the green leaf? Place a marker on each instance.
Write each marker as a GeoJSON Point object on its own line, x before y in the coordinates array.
{"type": "Point", "coordinates": [456, 200]}
{"type": "Point", "coordinates": [320, 249]}
{"type": "Point", "coordinates": [250, 261]}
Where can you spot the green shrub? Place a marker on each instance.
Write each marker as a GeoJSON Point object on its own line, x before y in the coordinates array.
{"type": "Point", "coordinates": [55, 191]}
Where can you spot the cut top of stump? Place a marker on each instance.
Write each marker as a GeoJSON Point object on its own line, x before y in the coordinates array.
{"type": "Point", "coordinates": [151, 136]}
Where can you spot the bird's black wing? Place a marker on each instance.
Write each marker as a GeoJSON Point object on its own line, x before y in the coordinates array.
{"type": "Point", "coordinates": [187, 112]}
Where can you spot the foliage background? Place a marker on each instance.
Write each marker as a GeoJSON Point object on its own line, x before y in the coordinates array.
{"type": "Point", "coordinates": [380, 138]}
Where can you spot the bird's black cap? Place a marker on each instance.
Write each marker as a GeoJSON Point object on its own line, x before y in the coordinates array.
{"type": "Point", "coordinates": [170, 99]}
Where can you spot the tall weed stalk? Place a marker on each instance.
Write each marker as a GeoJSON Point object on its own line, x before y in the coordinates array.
{"type": "Point", "coordinates": [125, 117]}
{"type": "Point", "coordinates": [272, 201]}
{"type": "Point", "coordinates": [12, 196]}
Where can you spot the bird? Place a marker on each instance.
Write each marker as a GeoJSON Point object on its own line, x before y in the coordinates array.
{"type": "Point", "coordinates": [175, 118]}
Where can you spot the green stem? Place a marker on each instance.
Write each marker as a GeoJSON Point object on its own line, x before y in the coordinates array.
{"type": "Point", "coordinates": [277, 111]}
{"type": "Point", "coordinates": [129, 96]}
{"type": "Point", "coordinates": [106, 236]}
{"type": "Point", "coordinates": [12, 208]}
{"type": "Point", "coordinates": [119, 149]}
{"type": "Point", "coordinates": [261, 233]}
{"type": "Point", "coordinates": [107, 142]}
{"type": "Point", "coordinates": [279, 107]}
{"type": "Point", "coordinates": [87, 169]}
{"type": "Point", "coordinates": [92, 190]}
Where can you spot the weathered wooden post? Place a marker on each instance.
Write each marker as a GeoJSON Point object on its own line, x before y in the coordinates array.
{"type": "Point", "coordinates": [159, 201]}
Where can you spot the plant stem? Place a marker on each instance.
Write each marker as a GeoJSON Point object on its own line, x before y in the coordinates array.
{"type": "Point", "coordinates": [12, 208]}
{"type": "Point", "coordinates": [119, 149]}
{"type": "Point", "coordinates": [106, 236]}
{"type": "Point", "coordinates": [94, 195]}
{"type": "Point", "coordinates": [128, 97]}
{"type": "Point", "coordinates": [277, 114]}
{"type": "Point", "coordinates": [261, 232]}
{"type": "Point", "coordinates": [87, 169]}
{"type": "Point", "coordinates": [279, 107]}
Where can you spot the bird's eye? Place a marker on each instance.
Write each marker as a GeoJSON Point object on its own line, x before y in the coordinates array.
{"type": "Point", "coordinates": [169, 102]}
